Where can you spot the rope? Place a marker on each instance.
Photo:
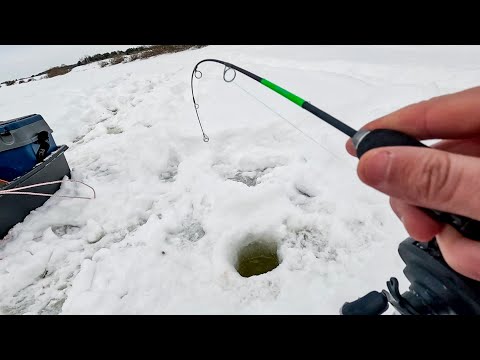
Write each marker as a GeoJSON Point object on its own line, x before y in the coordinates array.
{"type": "Point", "coordinates": [16, 192]}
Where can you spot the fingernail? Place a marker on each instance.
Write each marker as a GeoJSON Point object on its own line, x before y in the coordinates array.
{"type": "Point", "coordinates": [376, 168]}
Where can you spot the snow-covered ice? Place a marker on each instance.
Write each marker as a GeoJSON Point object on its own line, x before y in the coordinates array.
{"type": "Point", "coordinates": [172, 211]}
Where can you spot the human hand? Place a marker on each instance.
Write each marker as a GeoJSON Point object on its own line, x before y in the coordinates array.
{"type": "Point", "coordinates": [445, 177]}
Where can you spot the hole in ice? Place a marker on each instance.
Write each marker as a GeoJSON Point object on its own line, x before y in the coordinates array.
{"type": "Point", "coordinates": [256, 258]}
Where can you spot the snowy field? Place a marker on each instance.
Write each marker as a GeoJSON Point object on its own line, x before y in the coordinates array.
{"type": "Point", "coordinates": [172, 211]}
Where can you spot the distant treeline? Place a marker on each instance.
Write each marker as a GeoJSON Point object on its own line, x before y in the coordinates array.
{"type": "Point", "coordinates": [108, 58]}
{"type": "Point", "coordinates": [108, 55]}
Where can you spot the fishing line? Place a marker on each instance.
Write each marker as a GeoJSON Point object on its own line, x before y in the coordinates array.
{"type": "Point", "coordinates": [291, 124]}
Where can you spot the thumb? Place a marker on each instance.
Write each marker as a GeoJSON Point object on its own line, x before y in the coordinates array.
{"type": "Point", "coordinates": [425, 177]}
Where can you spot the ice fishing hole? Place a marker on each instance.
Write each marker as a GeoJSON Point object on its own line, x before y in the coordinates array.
{"type": "Point", "coordinates": [256, 258]}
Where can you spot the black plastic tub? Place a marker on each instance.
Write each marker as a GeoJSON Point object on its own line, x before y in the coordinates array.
{"type": "Point", "coordinates": [14, 208]}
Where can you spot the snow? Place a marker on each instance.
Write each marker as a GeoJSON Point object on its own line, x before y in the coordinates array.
{"type": "Point", "coordinates": [172, 211]}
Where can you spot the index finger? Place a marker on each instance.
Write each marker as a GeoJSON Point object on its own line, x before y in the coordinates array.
{"type": "Point", "coordinates": [452, 116]}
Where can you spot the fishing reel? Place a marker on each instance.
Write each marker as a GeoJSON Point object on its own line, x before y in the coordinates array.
{"type": "Point", "coordinates": [435, 288]}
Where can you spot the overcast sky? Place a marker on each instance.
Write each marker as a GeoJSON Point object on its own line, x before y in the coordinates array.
{"type": "Point", "coordinates": [17, 61]}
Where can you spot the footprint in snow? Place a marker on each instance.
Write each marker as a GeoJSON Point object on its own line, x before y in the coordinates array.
{"type": "Point", "coordinates": [61, 230]}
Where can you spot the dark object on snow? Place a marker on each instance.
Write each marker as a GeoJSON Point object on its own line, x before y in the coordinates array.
{"type": "Point", "coordinates": [24, 142]}
{"type": "Point", "coordinates": [14, 208]}
{"type": "Point", "coordinates": [28, 156]}
{"type": "Point", "coordinates": [436, 289]}
{"type": "Point", "coordinates": [373, 303]}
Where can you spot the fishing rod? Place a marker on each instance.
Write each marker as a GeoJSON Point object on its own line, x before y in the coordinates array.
{"type": "Point", "coordinates": [337, 124]}
{"type": "Point", "coordinates": [419, 298]}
